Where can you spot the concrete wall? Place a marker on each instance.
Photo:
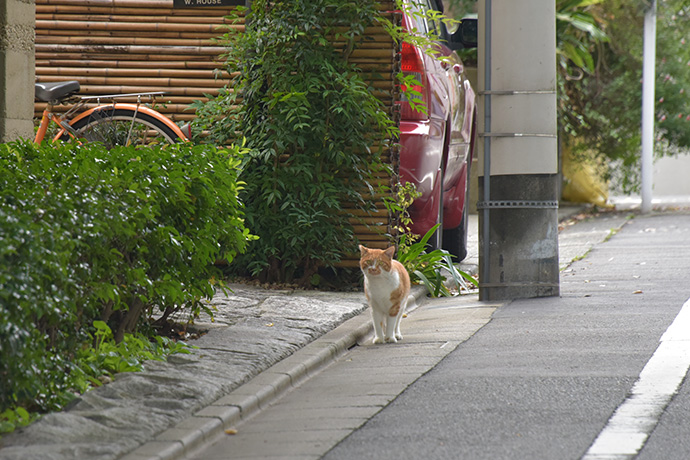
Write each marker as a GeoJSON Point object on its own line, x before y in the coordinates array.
{"type": "Point", "coordinates": [16, 69]}
{"type": "Point", "coordinates": [671, 176]}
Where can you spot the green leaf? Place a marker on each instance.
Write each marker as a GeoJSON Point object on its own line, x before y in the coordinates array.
{"type": "Point", "coordinates": [101, 326]}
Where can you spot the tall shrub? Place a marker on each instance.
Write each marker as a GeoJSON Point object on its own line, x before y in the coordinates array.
{"type": "Point", "coordinates": [88, 234]}
{"type": "Point", "coordinates": [310, 121]}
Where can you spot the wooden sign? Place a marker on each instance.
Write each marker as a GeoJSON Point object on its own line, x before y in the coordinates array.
{"type": "Point", "coordinates": [206, 3]}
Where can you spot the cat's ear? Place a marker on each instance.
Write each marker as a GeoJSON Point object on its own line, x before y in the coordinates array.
{"type": "Point", "coordinates": [390, 252]}
{"type": "Point", "coordinates": [363, 250]}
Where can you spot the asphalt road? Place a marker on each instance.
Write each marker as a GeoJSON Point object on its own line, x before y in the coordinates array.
{"type": "Point", "coordinates": [542, 379]}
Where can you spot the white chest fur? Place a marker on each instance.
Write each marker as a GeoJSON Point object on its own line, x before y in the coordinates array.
{"type": "Point", "coordinates": [378, 288]}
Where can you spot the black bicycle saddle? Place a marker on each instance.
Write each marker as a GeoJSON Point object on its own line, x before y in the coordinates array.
{"type": "Point", "coordinates": [46, 92]}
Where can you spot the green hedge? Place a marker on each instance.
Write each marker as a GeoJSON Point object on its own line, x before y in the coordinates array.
{"type": "Point", "coordinates": [312, 123]}
{"type": "Point", "coordinates": [93, 235]}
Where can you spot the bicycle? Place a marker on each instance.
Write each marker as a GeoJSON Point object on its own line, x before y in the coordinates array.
{"type": "Point", "coordinates": [114, 123]}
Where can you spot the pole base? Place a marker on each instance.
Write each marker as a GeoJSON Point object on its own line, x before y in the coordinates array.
{"type": "Point", "coordinates": [522, 216]}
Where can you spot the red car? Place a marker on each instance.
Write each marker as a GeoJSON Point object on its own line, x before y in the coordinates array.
{"type": "Point", "coordinates": [437, 147]}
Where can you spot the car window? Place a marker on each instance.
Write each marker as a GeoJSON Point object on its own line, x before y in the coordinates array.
{"type": "Point", "coordinates": [418, 17]}
{"type": "Point", "coordinates": [423, 23]}
{"type": "Point", "coordinates": [432, 26]}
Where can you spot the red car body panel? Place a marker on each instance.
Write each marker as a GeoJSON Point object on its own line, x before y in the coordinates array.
{"type": "Point", "coordinates": [420, 160]}
{"type": "Point", "coordinates": [436, 152]}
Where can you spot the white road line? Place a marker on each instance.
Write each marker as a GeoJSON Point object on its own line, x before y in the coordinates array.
{"type": "Point", "coordinates": [629, 427]}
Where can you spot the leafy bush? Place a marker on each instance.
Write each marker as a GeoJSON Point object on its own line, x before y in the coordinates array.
{"type": "Point", "coordinates": [311, 123]}
{"type": "Point", "coordinates": [88, 234]}
{"type": "Point", "coordinates": [11, 419]}
{"type": "Point", "coordinates": [104, 357]}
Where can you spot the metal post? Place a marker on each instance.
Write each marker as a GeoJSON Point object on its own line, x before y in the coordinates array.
{"type": "Point", "coordinates": [648, 81]}
{"type": "Point", "coordinates": [486, 227]}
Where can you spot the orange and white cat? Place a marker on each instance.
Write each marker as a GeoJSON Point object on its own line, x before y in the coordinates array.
{"type": "Point", "coordinates": [387, 288]}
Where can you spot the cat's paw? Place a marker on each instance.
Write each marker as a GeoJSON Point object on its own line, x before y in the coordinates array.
{"type": "Point", "coordinates": [398, 336]}
{"type": "Point", "coordinates": [391, 340]}
{"type": "Point", "coordinates": [377, 340]}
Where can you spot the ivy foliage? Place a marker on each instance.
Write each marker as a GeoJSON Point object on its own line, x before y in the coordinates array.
{"type": "Point", "coordinates": [312, 124]}
{"type": "Point", "coordinates": [114, 236]}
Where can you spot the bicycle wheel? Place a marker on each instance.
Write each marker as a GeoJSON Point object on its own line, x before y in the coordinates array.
{"type": "Point", "coordinates": [113, 126]}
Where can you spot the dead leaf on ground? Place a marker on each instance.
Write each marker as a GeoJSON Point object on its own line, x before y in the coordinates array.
{"type": "Point", "coordinates": [231, 431]}
{"type": "Point", "coordinates": [637, 292]}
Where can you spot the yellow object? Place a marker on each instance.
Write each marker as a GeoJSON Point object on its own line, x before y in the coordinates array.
{"type": "Point", "coordinates": [583, 178]}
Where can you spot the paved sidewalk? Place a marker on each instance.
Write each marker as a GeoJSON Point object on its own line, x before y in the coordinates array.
{"type": "Point", "coordinates": [171, 408]}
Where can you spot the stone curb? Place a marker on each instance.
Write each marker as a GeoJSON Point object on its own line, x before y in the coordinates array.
{"type": "Point", "coordinates": [259, 392]}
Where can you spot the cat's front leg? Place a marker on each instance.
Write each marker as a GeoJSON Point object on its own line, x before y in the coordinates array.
{"type": "Point", "coordinates": [392, 328]}
{"type": "Point", "coordinates": [378, 319]}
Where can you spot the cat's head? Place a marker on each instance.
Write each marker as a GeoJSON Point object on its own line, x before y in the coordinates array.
{"type": "Point", "coordinates": [373, 261]}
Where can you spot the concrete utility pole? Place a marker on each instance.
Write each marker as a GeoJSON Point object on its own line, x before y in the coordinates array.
{"type": "Point", "coordinates": [17, 19]}
{"type": "Point", "coordinates": [518, 184]}
{"type": "Point", "coordinates": [648, 82]}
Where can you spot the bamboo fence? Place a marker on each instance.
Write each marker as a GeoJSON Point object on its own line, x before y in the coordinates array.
{"type": "Point", "coordinates": [130, 46]}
